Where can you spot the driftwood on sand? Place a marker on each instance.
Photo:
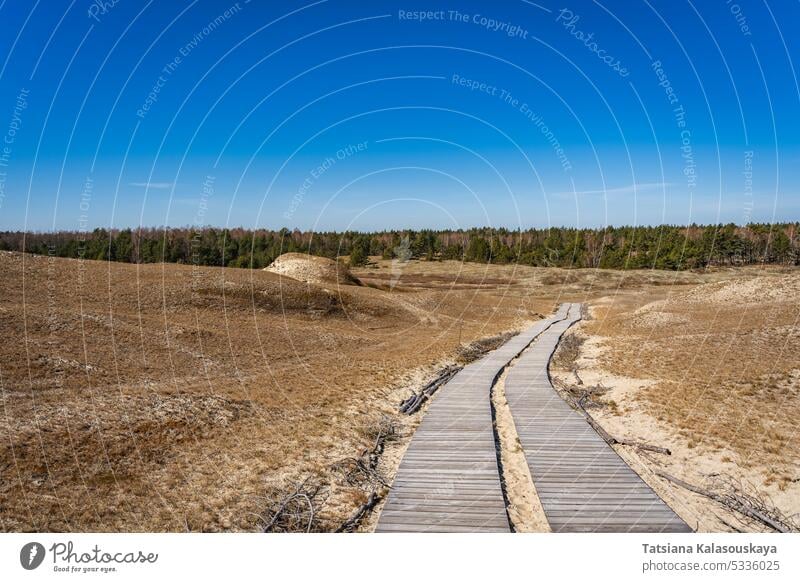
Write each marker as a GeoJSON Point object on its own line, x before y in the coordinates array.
{"type": "Point", "coordinates": [752, 506]}
{"type": "Point", "coordinates": [414, 402]}
{"type": "Point", "coordinates": [612, 440]}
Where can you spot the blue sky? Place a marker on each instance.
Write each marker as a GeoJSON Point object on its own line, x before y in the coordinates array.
{"type": "Point", "coordinates": [364, 115]}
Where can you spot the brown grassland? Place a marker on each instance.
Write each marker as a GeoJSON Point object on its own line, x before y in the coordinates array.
{"type": "Point", "coordinates": [713, 373]}
{"type": "Point", "coordinates": [173, 398]}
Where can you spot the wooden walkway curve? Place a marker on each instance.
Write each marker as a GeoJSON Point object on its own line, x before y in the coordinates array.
{"type": "Point", "coordinates": [448, 480]}
{"type": "Point", "coordinates": [583, 485]}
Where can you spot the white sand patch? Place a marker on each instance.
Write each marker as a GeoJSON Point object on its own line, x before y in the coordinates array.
{"type": "Point", "coordinates": [747, 291]}
{"type": "Point", "coordinates": [696, 465]}
{"type": "Point", "coordinates": [311, 269]}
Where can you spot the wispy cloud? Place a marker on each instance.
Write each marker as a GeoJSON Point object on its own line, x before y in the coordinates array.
{"type": "Point", "coordinates": [639, 187]}
{"type": "Point", "coordinates": [152, 185]}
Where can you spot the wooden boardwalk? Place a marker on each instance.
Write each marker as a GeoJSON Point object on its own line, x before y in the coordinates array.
{"type": "Point", "coordinates": [448, 480]}
{"type": "Point", "coordinates": [584, 486]}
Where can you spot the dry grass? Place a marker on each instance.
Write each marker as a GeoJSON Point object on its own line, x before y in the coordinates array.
{"type": "Point", "coordinates": [166, 398]}
{"type": "Point", "coordinates": [710, 371]}
{"type": "Point", "coordinates": [725, 364]}
{"type": "Point", "coordinates": [162, 397]}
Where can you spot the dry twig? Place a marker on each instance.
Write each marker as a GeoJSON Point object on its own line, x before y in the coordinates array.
{"type": "Point", "coordinates": [296, 511]}
{"type": "Point", "coordinates": [414, 402]}
{"type": "Point", "coordinates": [743, 499]}
{"type": "Point", "coordinates": [364, 472]}
{"type": "Point", "coordinates": [580, 400]}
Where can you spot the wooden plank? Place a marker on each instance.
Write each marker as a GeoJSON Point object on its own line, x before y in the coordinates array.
{"type": "Point", "coordinates": [448, 480]}
{"type": "Point", "coordinates": [582, 483]}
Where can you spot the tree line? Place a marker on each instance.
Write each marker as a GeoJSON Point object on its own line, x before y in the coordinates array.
{"type": "Point", "coordinates": [625, 247]}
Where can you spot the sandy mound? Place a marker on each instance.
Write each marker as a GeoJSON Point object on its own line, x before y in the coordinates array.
{"type": "Point", "coordinates": [312, 269]}
{"type": "Point", "coordinates": [748, 291]}
{"type": "Point", "coordinates": [658, 319]}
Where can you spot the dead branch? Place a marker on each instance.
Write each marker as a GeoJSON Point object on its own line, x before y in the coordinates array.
{"type": "Point", "coordinates": [750, 496]}
{"type": "Point", "coordinates": [480, 347]}
{"type": "Point", "coordinates": [364, 472]}
{"type": "Point", "coordinates": [352, 522]}
{"type": "Point", "coordinates": [386, 431]}
{"type": "Point", "coordinates": [758, 508]}
{"type": "Point", "coordinates": [466, 355]}
{"type": "Point", "coordinates": [300, 508]}
{"type": "Point", "coordinates": [580, 405]}
{"type": "Point", "coordinates": [295, 511]}
{"type": "Point", "coordinates": [413, 403]}
{"type": "Point", "coordinates": [356, 473]}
